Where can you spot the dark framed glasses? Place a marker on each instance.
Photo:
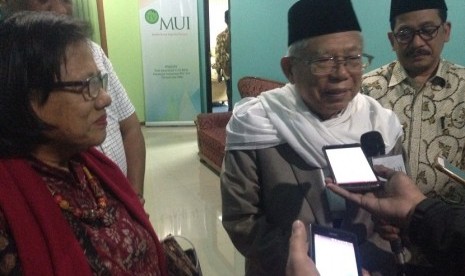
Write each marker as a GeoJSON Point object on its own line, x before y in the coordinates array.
{"type": "Point", "coordinates": [406, 35]}
{"type": "Point", "coordinates": [90, 88]}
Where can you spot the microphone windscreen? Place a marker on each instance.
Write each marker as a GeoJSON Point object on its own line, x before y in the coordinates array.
{"type": "Point", "coordinates": [372, 144]}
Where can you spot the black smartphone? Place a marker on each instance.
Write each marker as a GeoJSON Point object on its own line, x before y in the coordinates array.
{"type": "Point", "coordinates": [334, 251]}
{"type": "Point", "coordinates": [350, 168]}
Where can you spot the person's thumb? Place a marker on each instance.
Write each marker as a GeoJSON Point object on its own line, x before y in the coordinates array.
{"type": "Point", "coordinates": [299, 237]}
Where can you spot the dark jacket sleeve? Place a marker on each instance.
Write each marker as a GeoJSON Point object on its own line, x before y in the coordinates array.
{"type": "Point", "coordinates": [243, 217]}
{"type": "Point", "coordinates": [439, 230]}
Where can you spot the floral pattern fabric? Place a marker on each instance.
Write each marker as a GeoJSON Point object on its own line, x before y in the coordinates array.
{"type": "Point", "coordinates": [222, 59]}
{"type": "Point", "coordinates": [114, 245]}
{"type": "Point", "coordinates": [433, 119]}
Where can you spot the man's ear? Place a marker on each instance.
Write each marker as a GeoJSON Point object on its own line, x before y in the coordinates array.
{"type": "Point", "coordinates": [447, 27]}
{"type": "Point", "coordinates": [286, 66]}
{"type": "Point", "coordinates": [392, 39]}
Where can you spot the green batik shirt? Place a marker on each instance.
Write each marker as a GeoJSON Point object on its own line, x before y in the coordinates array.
{"type": "Point", "coordinates": [433, 118]}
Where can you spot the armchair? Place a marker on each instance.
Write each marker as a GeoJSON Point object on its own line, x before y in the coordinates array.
{"type": "Point", "coordinates": [211, 127]}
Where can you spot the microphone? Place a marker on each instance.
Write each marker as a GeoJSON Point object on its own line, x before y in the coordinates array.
{"type": "Point", "coordinates": [373, 145]}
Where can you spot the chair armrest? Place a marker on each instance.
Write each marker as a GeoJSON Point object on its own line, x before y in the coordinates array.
{"type": "Point", "coordinates": [212, 120]}
{"type": "Point", "coordinates": [253, 86]}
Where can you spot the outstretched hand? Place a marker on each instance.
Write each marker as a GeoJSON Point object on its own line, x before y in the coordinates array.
{"type": "Point", "coordinates": [299, 263]}
{"type": "Point", "coordinates": [394, 203]}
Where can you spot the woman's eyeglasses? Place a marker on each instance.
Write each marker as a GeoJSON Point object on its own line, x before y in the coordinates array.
{"type": "Point", "coordinates": [90, 88]}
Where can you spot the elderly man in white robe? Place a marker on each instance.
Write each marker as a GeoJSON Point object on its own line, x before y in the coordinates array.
{"type": "Point", "coordinates": [274, 168]}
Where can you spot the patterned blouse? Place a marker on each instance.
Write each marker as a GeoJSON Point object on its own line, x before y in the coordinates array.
{"type": "Point", "coordinates": [433, 118]}
{"type": "Point", "coordinates": [114, 245]}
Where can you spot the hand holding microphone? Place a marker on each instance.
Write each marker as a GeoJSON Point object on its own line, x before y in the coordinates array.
{"type": "Point", "coordinates": [373, 146]}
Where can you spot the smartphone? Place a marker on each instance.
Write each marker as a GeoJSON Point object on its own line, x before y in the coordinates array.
{"type": "Point", "coordinates": [452, 171]}
{"type": "Point", "coordinates": [350, 168]}
{"type": "Point", "coordinates": [334, 251]}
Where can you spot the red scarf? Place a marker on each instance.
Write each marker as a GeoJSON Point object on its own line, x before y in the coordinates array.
{"type": "Point", "coordinates": [45, 241]}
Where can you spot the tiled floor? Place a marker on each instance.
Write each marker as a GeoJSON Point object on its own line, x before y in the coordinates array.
{"type": "Point", "coordinates": [183, 198]}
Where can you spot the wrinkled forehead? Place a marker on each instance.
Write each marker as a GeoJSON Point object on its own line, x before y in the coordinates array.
{"type": "Point", "coordinates": [418, 18]}
{"type": "Point", "coordinates": [77, 58]}
{"type": "Point", "coordinates": [337, 43]}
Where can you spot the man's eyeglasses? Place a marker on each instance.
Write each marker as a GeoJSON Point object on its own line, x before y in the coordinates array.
{"type": "Point", "coordinates": [90, 88]}
{"type": "Point", "coordinates": [406, 35]}
{"type": "Point", "coordinates": [328, 65]}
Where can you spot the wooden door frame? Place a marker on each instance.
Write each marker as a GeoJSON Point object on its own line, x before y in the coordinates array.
{"type": "Point", "coordinates": [101, 26]}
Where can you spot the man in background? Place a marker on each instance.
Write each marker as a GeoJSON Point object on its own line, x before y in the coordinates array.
{"type": "Point", "coordinates": [426, 92]}
{"type": "Point", "coordinates": [124, 143]}
{"type": "Point", "coordinates": [223, 59]}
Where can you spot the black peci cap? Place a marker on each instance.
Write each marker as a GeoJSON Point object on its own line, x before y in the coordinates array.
{"type": "Point", "coordinates": [309, 18]}
{"type": "Point", "coordinates": [399, 7]}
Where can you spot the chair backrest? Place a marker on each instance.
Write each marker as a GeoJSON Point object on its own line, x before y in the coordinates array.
{"type": "Point", "coordinates": [253, 86]}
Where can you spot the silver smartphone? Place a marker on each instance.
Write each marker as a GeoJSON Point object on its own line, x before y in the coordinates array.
{"type": "Point", "coordinates": [334, 251]}
{"type": "Point", "coordinates": [452, 171]}
{"type": "Point", "coordinates": [350, 168]}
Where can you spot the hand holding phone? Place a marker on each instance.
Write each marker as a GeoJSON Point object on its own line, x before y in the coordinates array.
{"type": "Point", "coordinates": [350, 168]}
{"type": "Point", "coordinates": [334, 251]}
{"type": "Point", "coordinates": [446, 167]}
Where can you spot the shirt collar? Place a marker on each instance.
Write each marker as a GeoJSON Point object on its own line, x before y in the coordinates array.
{"type": "Point", "coordinates": [399, 74]}
{"type": "Point", "coordinates": [441, 74]}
